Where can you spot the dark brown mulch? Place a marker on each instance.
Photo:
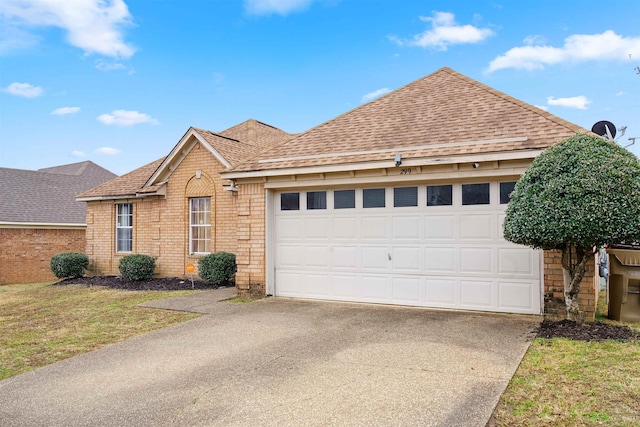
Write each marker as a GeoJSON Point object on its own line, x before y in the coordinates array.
{"type": "Point", "coordinates": [595, 331]}
{"type": "Point", "coordinates": [155, 284]}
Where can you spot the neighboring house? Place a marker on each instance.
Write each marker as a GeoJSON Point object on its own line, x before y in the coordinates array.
{"type": "Point", "coordinates": [398, 201]}
{"type": "Point", "coordinates": [39, 217]}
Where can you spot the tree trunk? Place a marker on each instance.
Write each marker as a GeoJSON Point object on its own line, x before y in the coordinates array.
{"type": "Point", "coordinates": [574, 262]}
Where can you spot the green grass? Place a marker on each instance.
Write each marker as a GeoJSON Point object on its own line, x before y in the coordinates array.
{"type": "Point", "coordinates": [42, 324]}
{"type": "Point", "coordinates": [562, 382]}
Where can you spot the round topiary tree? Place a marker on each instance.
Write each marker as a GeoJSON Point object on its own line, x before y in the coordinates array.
{"type": "Point", "coordinates": [578, 195]}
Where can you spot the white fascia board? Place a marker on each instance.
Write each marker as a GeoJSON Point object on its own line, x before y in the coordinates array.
{"type": "Point", "coordinates": [176, 156]}
{"type": "Point", "coordinates": [51, 225]}
{"type": "Point", "coordinates": [383, 164]}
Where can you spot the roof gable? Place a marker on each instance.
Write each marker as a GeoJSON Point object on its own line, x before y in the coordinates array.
{"type": "Point", "coordinates": [442, 114]}
{"type": "Point", "coordinates": [229, 147]}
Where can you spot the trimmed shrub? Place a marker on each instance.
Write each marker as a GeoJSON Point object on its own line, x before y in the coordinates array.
{"type": "Point", "coordinates": [137, 267]}
{"type": "Point", "coordinates": [217, 268]}
{"type": "Point", "coordinates": [69, 264]}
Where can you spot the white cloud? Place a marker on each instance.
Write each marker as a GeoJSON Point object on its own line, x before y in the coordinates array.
{"type": "Point", "coordinates": [126, 118]}
{"type": "Point", "coordinates": [375, 94]}
{"type": "Point", "coordinates": [579, 102]}
{"type": "Point", "coordinates": [107, 151]}
{"type": "Point", "coordinates": [62, 111]}
{"type": "Point", "coordinates": [444, 32]}
{"type": "Point", "coordinates": [542, 107]}
{"type": "Point", "coordinates": [621, 93]}
{"type": "Point", "coordinates": [576, 48]}
{"type": "Point", "coordinates": [95, 26]}
{"type": "Point", "coordinates": [23, 89]}
{"type": "Point", "coordinates": [281, 7]}
{"type": "Point", "coordinates": [78, 153]}
{"type": "Point", "coordinates": [109, 66]}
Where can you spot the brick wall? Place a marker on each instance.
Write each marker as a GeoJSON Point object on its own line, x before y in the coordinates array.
{"type": "Point", "coordinates": [161, 225]}
{"type": "Point", "coordinates": [25, 253]}
{"type": "Point", "coordinates": [554, 288]}
{"type": "Point", "coordinates": [250, 278]}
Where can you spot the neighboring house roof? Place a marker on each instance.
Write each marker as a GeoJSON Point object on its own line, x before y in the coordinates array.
{"type": "Point", "coordinates": [47, 196]}
{"type": "Point", "coordinates": [126, 185]}
{"type": "Point", "coordinates": [442, 114]}
{"type": "Point", "coordinates": [229, 147]}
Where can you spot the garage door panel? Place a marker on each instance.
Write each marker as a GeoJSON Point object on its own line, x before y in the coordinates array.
{"type": "Point", "coordinates": [374, 228]}
{"type": "Point", "coordinates": [290, 229]}
{"type": "Point", "coordinates": [376, 288]}
{"type": "Point", "coordinates": [375, 258]}
{"type": "Point", "coordinates": [406, 259]}
{"type": "Point", "coordinates": [476, 260]}
{"type": "Point", "coordinates": [406, 290]}
{"type": "Point", "coordinates": [317, 228]}
{"type": "Point", "coordinates": [476, 227]}
{"type": "Point", "coordinates": [406, 228]}
{"type": "Point", "coordinates": [516, 296]}
{"type": "Point", "coordinates": [289, 283]}
{"type": "Point", "coordinates": [291, 256]}
{"type": "Point", "coordinates": [516, 261]}
{"type": "Point", "coordinates": [346, 287]}
{"type": "Point", "coordinates": [345, 229]}
{"type": "Point", "coordinates": [440, 259]}
{"type": "Point", "coordinates": [440, 227]}
{"type": "Point", "coordinates": [318, 256]}
{"type": "Point", "coordinates": [317, 285]}
{"type": "Point", "coordinates": [441, 291]}
{"type": "Point", "coordinates": [346, 257]}
{"type": "Point", "coordinates": [476, 293]}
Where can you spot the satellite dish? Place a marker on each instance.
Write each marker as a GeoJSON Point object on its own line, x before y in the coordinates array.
{"type": "Point", "coordinates": [605, 129]}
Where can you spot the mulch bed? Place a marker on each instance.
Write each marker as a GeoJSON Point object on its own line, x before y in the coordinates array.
{"type": "Point", "coordinates": [155, 284]}
{"type": "Point", "coordinates": [595, 331]}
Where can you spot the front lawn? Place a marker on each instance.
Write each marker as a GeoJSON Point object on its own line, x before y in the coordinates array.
{"type": "Point", "coordinates": [564, 382]}
{"type": "Point", "coordinates": [42, 324]}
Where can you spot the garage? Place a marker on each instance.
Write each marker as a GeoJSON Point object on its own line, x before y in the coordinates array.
{"type": "Point", "coordinates": [429, 245]}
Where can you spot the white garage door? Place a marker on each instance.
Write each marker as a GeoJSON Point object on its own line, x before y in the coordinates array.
{"type": "Point", "coordinates": [425, 245]}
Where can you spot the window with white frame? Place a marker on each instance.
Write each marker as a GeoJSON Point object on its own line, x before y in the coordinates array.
{"type": "Point", "coordinates": [124, 227]}
{"type": "Point", "coordinates": [200, 225]}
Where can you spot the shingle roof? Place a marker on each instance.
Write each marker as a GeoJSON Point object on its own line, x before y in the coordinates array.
{"type": "Point", "coordinates": [442, 114]}
{"type": "Point", "coordinates": [47, 195]}
{"type": "Point", "coordinates": [125, 185]}
{"type": "Point", "coordinates": [235, 144]}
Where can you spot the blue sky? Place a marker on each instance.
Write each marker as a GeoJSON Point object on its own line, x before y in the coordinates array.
{"type": "Point", "coordinates": [119, 82]}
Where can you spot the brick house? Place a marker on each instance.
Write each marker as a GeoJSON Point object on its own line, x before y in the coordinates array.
{"type": "Point", "coordinates": [398, 201]}
{"type": "Point", "coordinates": [39, 217]}
{"type": "Point", "coordinates": [176, 208]}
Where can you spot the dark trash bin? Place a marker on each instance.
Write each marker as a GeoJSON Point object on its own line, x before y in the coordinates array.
{"type": "Point", "coordinates": [624, 283]}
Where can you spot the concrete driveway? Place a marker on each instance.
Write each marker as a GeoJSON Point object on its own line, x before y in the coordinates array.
{"type": "Point", "coordinates": [280, 362]}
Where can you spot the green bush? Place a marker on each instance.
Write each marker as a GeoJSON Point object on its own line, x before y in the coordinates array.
{"type": "Point", "coordinates": [217, 268]}
{"type": "Point", "coordinates": [69, 264]}
{"type": "Point", "coordinates": [137, 267]}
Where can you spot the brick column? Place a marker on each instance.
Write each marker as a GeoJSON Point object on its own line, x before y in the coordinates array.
{"type": "Point", "coordinates": [250, 255]}
{"type": "Point", "coordinates": [554, 306]}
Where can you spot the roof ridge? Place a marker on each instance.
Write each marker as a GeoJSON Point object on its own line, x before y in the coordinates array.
{"type": "Point", "coordinates": [558, 120]}
{"type": "Point", "coordinates": [214, 133]}
{"type": "Point", "coordinates": [377, 100]}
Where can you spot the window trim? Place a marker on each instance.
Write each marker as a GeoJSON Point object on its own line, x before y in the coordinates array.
{"type": "Point", "coordinates": [204, 226]}
{"type": "Point", "coordinates": [118, 226]}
